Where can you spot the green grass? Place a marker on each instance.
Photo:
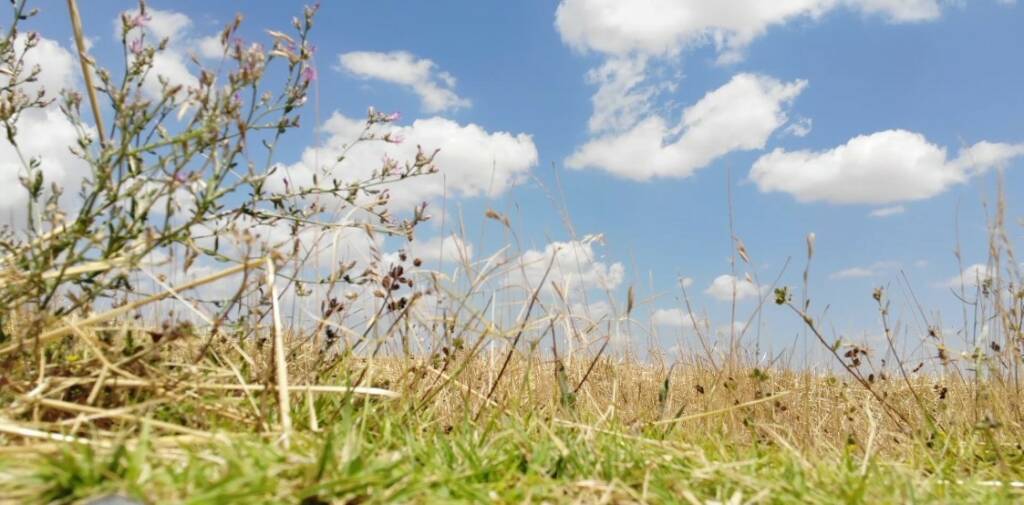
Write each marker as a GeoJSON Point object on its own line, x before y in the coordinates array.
{"type": "Point", "coordinates": [383, 454]}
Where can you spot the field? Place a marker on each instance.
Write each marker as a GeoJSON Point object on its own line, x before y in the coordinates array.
{"type": "Point", "coordinates": [193, 324]}
{"type": "Point", "coordinates": [632, 433]}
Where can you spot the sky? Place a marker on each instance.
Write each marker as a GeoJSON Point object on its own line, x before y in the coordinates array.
{"type": "Point", "coordinates": [627, 135]}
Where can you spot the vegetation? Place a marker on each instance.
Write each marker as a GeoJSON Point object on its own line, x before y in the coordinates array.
{"type": "Point", "coordinates": [404, 386]}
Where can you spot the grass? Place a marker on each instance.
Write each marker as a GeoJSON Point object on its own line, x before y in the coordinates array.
{"type": "Point", "coordinates": [509, 460]}
{"type": "Point", "coordinates": [402, 384]}
{"type": "Point", "coordinates": [627, 436]}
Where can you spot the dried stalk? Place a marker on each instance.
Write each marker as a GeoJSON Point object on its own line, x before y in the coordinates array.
{"type": "Point", "coordinates": [280, 364]}
{"type": "Point", "coordinates": [124, 309]}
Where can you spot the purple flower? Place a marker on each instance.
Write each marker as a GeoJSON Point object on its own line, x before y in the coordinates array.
{"type": "Point", "coordinates": [308, 74]}
{"type": "Point", "coordinates": [140, 19]}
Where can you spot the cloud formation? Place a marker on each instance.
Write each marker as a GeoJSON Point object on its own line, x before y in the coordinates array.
{"type": "Point", "coordinates": [739, 116]}
{"type": "Point", "coordinates": [44, 134]}
{"type": "Point", "coordinates": [667, 27]}
{"type": "Point", "coordinates": [860, 272]}
{"type": "Point", "coordinates": [575, 268]}
{"type": "Point", "coordinates": [472, 161]}
{"type": "Point", "coordinates": [173, 62]}
{"type": "Point", "coordinates": [677, 318]}
{"type": "Point", "coordinates": [723, 287]}
{"type": "Point", "coordinates": [638, 39]}
{"type": "Point", "coordinates": [437, 249]}
{"type": "Point", "coordinates": [883, 168]}
{"type": "Point", "coordinates": [972, 277]}
{"type": "Point", "coordinates": [435, 88]}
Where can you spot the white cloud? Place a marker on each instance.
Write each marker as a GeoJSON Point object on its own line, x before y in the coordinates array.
{"type": "Point", "coordinates": [620, 101]}
{"type": "Point", "coordinates": [593, 311]}
{"type": "Point", "coordinates": [723, 286]}
{"type": "Point", "coordinates": [872, 270]}
{"type": "Point", "coordinates": [677, 318]}
{"type": "Point", "coordinates": [900, 11]}
{"type": "Point", "coordinates": [888, 211]}
{"type": "Point", "coordinates": [576, 268]}
{"type": "Point", "coordinates": [667, 27]}
{"type": "Point", "coordinates": [56, 64]}
{"type": "Point", "coordinates": [882, 168]}
{"type": "Point", "coordinates": [639, 37]}
{"type": "Point", "coordinates": [449, 249]}
{"type": "Point", "coordinates": [173, 62]}
{"type": "Point", "coordinates": [724, 330]}
{"type": "Point", "coordinates": [434, 87]}
{"type": "Point", "coordinates": [210, 47]}
{"type": "Point", "coordinates": [801, 127]}
{"type": "Point", "coordinates": [740, 115]}
{"type": "Point", "coordinates": [166, 24]}
{"type": "Point", "coordinates": [972, 277]}
{"type": "Point", "coordinates": [853, 273]}
{"type": "Point", "coordinates": [45, 134]}
{"type": "Point", "coordinates": [472, 161]}
{"type": "Point", "coordinates": [322, 247]}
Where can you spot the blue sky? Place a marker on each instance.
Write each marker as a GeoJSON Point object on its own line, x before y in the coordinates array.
{"type": "Point", "coordinates": [875, 124]}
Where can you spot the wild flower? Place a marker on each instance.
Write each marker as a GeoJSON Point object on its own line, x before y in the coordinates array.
{"type": "Point", "coordinates": [161, 187]}
{"type": "Point", "coordinates": [140, 19]}
{"type": "Point", "coordinates": [309, 73]}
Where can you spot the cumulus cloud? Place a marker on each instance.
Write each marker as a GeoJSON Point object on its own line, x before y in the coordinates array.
{"type": "Point", "coordinates": [638, 38]}
{"type": "Point", "coordinates": [173, 62]}
{"type": "Point", "coordinates": [853, 273]}
{"type": "Point", "coordinates": [740, 115]}
{"type": "Point", "coordinates": [800, 128]}
{"type": "Point", "coordinates": [888, 211]}
{"type": "Point", "coordinates": [210, 47]}
{"type": "Point", "coordinates": [56, 65]}
{"type": "Point", "coordinates": [621, 99]}
{"type": "Point", "coordinates": [45, 134]}
{"type": "Point", "coordinates": [472, 161]}
{"type": "Point", "coordinates": [882, 168]}
{"type": "Point", "coordinates": [971, 277]}
{"type": "Point", "coordinates": [677, 318]}
{"type": "Point", "coordinates": [667, 27]}
{"type": "Point", "coordinates": [723, 287]}
{"type": "Point", "coordinates": [166, 24]}
{"type": "Point", "coordinates": [321, 247]}
{"type": "Point", "coordinates": [438, 249]}
{"type": "Point", "coordinates": [435, 88]}
{"type": "Point", "coordinates": [576, 267]}
{"type": "Point", "coordinates": [861, 272]}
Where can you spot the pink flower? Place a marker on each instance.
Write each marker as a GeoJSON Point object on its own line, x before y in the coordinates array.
{"type": "Point", "coordinates": [135, 47]}
{"type": "Point", "coordinates": [140, 19]}
{"type": "Point", "coordinates": [394, 116]}
{"type": "Point", "coordinates": [394, 138]}
{"type": "Point", "coordinates": [309, 74]}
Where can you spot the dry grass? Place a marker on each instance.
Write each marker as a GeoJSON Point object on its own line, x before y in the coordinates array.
{"type": "Point", "coordinates": [495, 391]}
{"type": "Point", "coordinates": [603, 428]}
